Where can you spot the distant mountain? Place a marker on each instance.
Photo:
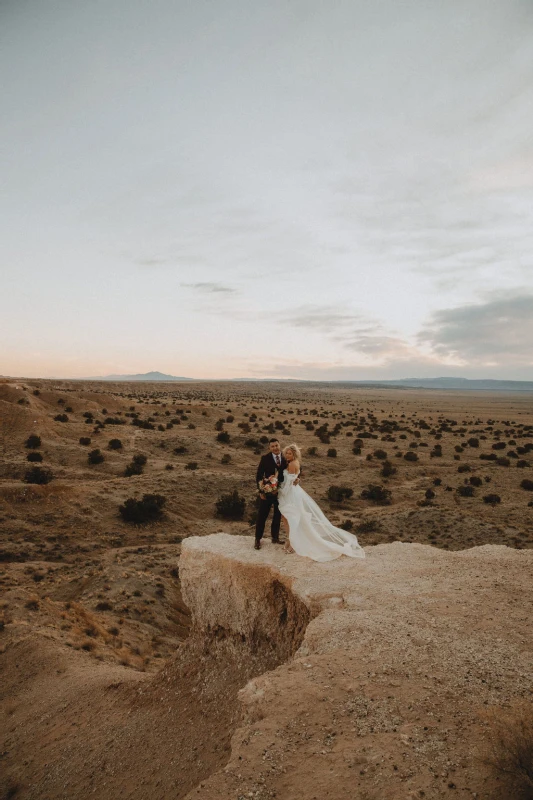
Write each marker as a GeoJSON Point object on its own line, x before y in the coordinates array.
{"type": "Point", "coordinates": [146, 376]}
{"type": "Point", "coordinates": [483, 385]}
{"type": "Point", "coordinates": [479, 385]}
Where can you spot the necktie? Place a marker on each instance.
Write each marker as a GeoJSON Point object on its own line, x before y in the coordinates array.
{"type": "Point", "coordinates": [277, 460]}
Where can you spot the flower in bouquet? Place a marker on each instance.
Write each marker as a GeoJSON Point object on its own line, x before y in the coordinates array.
{"type": "Point", "coordinates": [268, 485]}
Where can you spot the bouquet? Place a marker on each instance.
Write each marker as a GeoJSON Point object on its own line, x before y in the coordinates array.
{"type": "Point", "coordinates": [268, 485]}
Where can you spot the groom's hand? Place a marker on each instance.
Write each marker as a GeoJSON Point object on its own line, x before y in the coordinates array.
{"type": "Point", "coordinates": [263, 496]}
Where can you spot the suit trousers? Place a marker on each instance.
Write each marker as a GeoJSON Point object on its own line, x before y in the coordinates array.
{"type": "Point", "coordinates": [270, 501]}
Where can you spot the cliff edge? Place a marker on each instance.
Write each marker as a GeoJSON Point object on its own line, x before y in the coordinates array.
{"type": "Point", "coordinates": [391, 668]}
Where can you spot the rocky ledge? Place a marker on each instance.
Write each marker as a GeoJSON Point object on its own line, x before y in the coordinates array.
{"type": "Point", "coordinates": [391, 670]}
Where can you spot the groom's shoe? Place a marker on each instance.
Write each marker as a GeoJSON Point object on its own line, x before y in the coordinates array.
{"type": "Point", "coordinates": [257, 545]}
{"type": "Point", "coordinates": [277, 541]}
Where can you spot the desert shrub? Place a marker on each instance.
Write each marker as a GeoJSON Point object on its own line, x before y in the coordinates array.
{"type": "Point", "coordinates": [133, 469]}
{"type": "Point", "coordinates": [38, 475]}
{"type": "Point", "coordinates": [36, 457]}
{"type": "Point", "coordinates": [387, 470]}
{"type": "Point", "coordinates": [511, 755]}
{"type": "Point", "coordinates": [437, 481]}
{"type": "Point", "coordinates": [148, 509]}
{"type": "Point", "coordinates": [527, 485]}
{"type": "Point", "coordinates": [95, 457]}
{"type": "Point", "coordinates": [356, 451]}
{"type": "Point", "coordinates": [332, 453]}
{"type": "Point", "coordinates": [522, 463]}
{"type": "Point", "coordinates": [312, 451]}
{"type": "Point", "coordinates": [192, 465]}
{"type": "Point", "coordinates": [492, 499]}
{"type": "Point", "coordinates": [465, 491]}
{"type": "Point", "coordinates": [499, 446]}
{"type": "Point", "coordinates": [488, 456]}
{"type": "Point", "coordinates": [475, 480]}
{"type": "Point", "coordinates": [473, 442]}
{"type": "Point", "coordinates": [180, 450]}
{"type": "Point", "coordinates": [33, 441]}
{"type": "Point", "coordinates": [115, 444]}
{"type": "Point", "coordinates": [61, 418]}
{"type": "Point", "coordinates": [378, 494]}
{"type": "Point", "coordinates": [140, 458]}
{"type": "Point", "coordinates": [503, 461]}
{"type": "Point", "coordinates": [347, 525]}
{"type": "Point", "coordinates": [84, 440]}
{"type": "Point", "coordinates": [143, 423]}
{"type": "Point", "coordinates": [230, 506]}
{"type": "Point", "coordinates": [458, 448]}
{"type": "Point", "coordinates": [370, 526]}
{"type": "Point", "coordinates": [114, 421]}
{"type": "Point", "coordinates": [36, 392]}
{"type": "Point", "coordinates": [430, 494]}
{"type": "Point", "coordinates": [411, 456]}
{"type": "Point", "coordinates": [226, 458]}
{"type": "Point", "coordinates": [464, 468]}
{"type": "Point", "coordinates": [381, 455]}
{"type": "Point", "coordinates": [219, 425]}
{"type": "Point", "coordinates": [337, 494]}
{"type": "Point", "coordinates": [169, 467]}
{"type": "Point", "coordinates": [223, 437]}
{"type": "Point", "coordinates": [253, 443]}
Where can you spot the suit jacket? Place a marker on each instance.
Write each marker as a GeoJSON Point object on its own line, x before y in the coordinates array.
{"type": "Point", "coordinates": [267, 467]}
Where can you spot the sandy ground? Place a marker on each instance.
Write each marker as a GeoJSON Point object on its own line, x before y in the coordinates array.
{"type": "Point", "coordinates": [90, 601]}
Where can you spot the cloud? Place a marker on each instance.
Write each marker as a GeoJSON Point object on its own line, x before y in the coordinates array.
{"type": "Point", "coordinates": [326, 319]}
{"type": "Point", "coordinates": [209, 287]}
{"type": "Point", "coordinates": [496, 333]}
{"type": "Point", "coordinates": [354, 332]}
{"type": "Point", "coordinates": [499, 331]}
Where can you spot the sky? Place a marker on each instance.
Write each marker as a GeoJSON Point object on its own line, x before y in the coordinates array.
{"type": "Point", "coordinates": [290, 188]}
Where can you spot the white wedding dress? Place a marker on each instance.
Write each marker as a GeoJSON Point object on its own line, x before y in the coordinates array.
{"type": "Point", "coordinates": [310, 532]}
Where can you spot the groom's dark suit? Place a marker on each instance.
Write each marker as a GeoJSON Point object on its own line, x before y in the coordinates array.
{"type": "Point", "coordinates": [267, 467]}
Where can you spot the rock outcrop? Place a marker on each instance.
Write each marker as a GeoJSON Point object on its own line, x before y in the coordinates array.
{"type": "Point", "coordinates": [391, 669]}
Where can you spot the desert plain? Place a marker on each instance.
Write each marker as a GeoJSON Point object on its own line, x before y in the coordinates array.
{"type": "Point", "coordinates": [121, 678]}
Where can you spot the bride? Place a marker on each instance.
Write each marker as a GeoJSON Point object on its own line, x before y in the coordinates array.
{"type": "Point", "coordinates": [309, 533]}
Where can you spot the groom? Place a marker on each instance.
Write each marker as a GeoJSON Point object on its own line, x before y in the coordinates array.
{"type": "Point", "coordinates": [272, 463]}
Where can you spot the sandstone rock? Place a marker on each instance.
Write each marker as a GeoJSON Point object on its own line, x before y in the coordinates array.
{"type": "Point", "coordinates": [402, 655]}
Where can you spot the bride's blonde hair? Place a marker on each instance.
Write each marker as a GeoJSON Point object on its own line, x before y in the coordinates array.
{"type": "Point", "coordinates": [295, 450]}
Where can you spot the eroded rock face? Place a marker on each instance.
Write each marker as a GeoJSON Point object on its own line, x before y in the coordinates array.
{"type": "Point", "coordinates": [404, 659]}
{"type": "Point", "coordinates": [231, 596]}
